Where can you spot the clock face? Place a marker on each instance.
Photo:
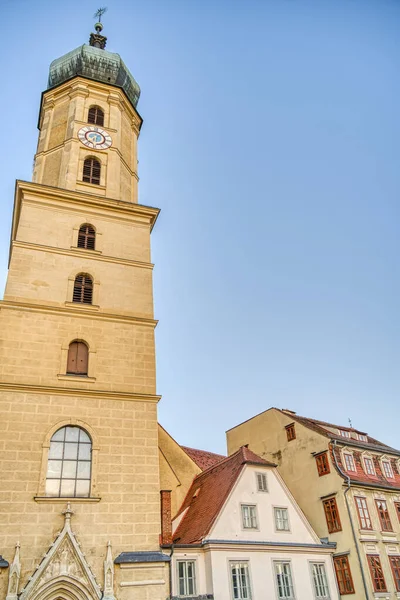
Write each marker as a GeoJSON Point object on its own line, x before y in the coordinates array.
{"type": "Point", "coordinates": [94, 137]}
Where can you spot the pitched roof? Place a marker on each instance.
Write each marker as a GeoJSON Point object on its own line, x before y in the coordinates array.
{"type": "Point", "coordinates": [208, 493]}
{"type": "Point", "coordinates": [324, 427]}
{"type": "Point", "coordinates": [203, 458]}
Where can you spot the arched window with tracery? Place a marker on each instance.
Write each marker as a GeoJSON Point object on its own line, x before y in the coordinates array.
{"type": "Point", "coordinates": [96, 115]}
{"type": "Point", "coordinates": [91, 171]}
{"type": "Point", "coordinates": [87, 237]}
{"type": "Point", "coordinates": [78, 358]}
{"type": "Point", "coordinates": [69, 466]}
{"type": "Point", "coordinates": [83, 289]}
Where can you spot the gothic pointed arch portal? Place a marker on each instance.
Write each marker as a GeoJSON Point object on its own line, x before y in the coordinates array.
{"type": "Point", "coordinates": [64, 573]}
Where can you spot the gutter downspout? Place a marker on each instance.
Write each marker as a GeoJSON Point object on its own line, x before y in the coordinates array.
{"type": "Point", "coordinates": [170, 571]}
{"type": "Point", "coordinates": [351, 520]}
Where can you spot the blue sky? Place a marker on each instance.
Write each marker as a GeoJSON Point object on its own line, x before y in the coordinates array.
{"type": "Point", "coordinates": [271, 144]}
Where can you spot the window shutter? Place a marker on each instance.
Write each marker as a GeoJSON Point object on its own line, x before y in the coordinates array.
{"type": "Point", "coordinates": [83, 289]}
{"type": "Point", "coordinates": [72, 357]}
{"type": "Point", "coordinates": [96, 115]}
{"type": "Point", "coordinates": [82, 359]}
{"type": "Point", "coordinates": [86, 237]}
{"type": "Point", "coordinates": [78, 359]}
{"type": "Point", "coordinates": [91, 171]}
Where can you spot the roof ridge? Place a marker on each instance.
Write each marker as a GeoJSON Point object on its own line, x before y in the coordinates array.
{"type": "Point", "coordinates": [199, 450]}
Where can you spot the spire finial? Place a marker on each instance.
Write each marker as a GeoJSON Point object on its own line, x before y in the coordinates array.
{"type": "Point", "coordinates": [68, 512]}
{"type": "Point", "coordinates": [96, 39]}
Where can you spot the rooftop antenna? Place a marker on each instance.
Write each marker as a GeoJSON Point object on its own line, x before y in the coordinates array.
{"type": "Point", "coordinates": [350, 423]}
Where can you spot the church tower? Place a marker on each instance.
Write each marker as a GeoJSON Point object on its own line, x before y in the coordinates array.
{"type": "Point", "coordinates": [79, 493]}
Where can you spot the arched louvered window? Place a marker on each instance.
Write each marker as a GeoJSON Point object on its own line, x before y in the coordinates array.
{"type": "Point", "coordinates": [78, 358]}
{"type": "Point", "coordinates": [96, 115]}
{"type": "Point", "coordinates": [69, 466]}
{"type": "Point", "coordinates": [91, 171]}
{"type": "Point", "coordinates": [83, 289]}
{"type": "Point", "coordinates": [86, 237]}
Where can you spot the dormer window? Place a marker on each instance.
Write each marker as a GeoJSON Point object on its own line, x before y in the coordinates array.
{"type": "Point", "coordinates": [344, 433]}
{"type": "Point", "coordinates": [387, 469]}
{"type": "Point", "coordinates": [349, 462]}
{"type": "Point", "coordinates": [362, 438]}
{"type": "Point", "coordinates": [369, 465]}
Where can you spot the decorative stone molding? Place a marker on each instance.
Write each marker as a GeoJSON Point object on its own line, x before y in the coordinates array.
{"type": "Point", "coordinates": [63, 568]}
{"type": "Point", "coordinates": [14, 576]}
{"type": "Point", "coordinates": [109, 575]}
{"type": "Point", "coordinates": [41, 493]}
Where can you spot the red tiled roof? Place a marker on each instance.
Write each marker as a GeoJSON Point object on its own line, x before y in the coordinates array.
{"type": "Point", "coordinates": [202, 458]}
{"type": "Point", "coordinates": [360, 476]}
{"type": "Point", "coordinates": [208, 493]}
{"type": "Point", "coordinates": [321, 427]}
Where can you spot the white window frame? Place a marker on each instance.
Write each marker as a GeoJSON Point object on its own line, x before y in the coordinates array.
{"type": "Point", "coordinates": [350, 454]}
{"type": "Point", "coordinates": [263, 478]}
{"type": "Point", "coordinates": [387, 461]}
{"type": "Point", "coordinates": [345, 434]}
{"type": "Point", "coordinates": [368, 456]}
{"type": "Point", "coordinates": [186, 579]}
{"type": "Point", "coordinates": [277, 529]}
{"type": "Point", "coordinates": [241, 563]}
{"type": "Point", "coordinates": [275, 571]}
{"type": "Point", "coordinates": [362, 438]}
{"type": "Point", "coordinates": [253, 518]}
{"type": "Point", "coordinates": [317, 596]}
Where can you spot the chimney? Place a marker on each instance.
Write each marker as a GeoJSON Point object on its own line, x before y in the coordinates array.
{"type": "Point", "coordinates": [166, 518]}
{"type": "Point", "coordinates": [288, 411]}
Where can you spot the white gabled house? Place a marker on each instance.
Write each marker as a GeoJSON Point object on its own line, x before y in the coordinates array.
{"type": "Point", "coordinates": [239, 535]}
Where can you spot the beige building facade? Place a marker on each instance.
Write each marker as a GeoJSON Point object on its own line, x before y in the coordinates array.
{"type": "Point", "coordinates": [79, 458]}
{"type": "Point", "coordinates": [348, 485]}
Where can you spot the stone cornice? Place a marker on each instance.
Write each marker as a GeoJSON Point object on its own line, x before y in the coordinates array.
{"type": "Point", "coordinates": [79, 86]}
{"type": "Point", "coordinates": [49, 390]}
{"type": "Point", "coordinates": [88, 254]}
{"type": "Point", "coordinates": [80, 312]}
{"type": "Point", "coordinates": [262, 546]}
{"type": "Point", "coordinates": [45, 194]}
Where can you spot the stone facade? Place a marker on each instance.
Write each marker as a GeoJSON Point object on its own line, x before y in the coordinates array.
{"type": "Point", "coordinates": [115, 403]}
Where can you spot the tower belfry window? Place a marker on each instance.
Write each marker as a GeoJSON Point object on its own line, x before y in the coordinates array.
{"type": "Point", "coordinates": [83, 289]}
{"type": "Point", "coordinates": [96, 115]}
{"type": "Point", "coordinates": [86, 237]}
{"type": "Point", "coordinates": [91, 171]}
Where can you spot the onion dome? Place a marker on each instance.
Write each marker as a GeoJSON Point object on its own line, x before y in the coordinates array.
{"type": "Point", "coordinates": [94, 62]}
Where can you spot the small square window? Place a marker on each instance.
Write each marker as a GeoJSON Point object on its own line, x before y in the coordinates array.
{"type": "Point", "coordinates": [281, 519]}
{"type": "Point", "coordinates": [290, 432]}
{"type": "Point", "coordinates": [262, 482]}
{"type": "Point", "coordinates": [249, 516]}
